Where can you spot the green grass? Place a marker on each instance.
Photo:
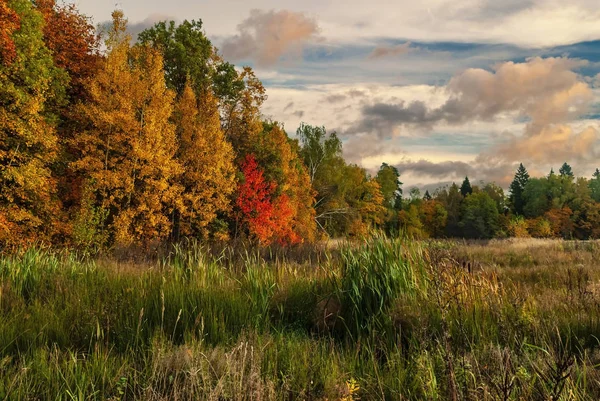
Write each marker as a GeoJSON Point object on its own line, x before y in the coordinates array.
{"type": "Point", "coordinates": [383, 320]}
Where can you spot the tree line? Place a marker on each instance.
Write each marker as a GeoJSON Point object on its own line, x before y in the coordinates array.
{"type": "Point", "coordinates": [154, 141]}
{"type": "Point", "coordinates": [555, 206]}
{"type": "Point", "coordinates": [105, 141]}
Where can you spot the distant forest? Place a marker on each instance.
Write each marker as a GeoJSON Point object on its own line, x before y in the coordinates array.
{"type": "Point", "coordinates": [107, 142]}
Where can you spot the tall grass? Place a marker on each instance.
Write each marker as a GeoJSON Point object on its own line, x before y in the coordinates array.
{"type": "Point", "coordinates": [381, 320]}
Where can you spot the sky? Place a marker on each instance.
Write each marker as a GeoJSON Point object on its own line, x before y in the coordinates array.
{"type": "Point", "coordinates": [440, 89]}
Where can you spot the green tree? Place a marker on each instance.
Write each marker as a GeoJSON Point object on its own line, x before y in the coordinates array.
{"type": "Point", "coordinates": [517, 186]}
{"type": "Point", "coordinates": [189, 54]}
{"type": "Point", "coordinates": [390, 185]}
{"type": "Point", "coordinates": [451, 200]}
{"type": "Point", "coordinates": [595, 186]}
{"type": "Point", "coordinates": [537, 198]}
{"type": "Point", "coordinates": [497, 194]}
{"type": "Point", "coordinates": [465, 188]}
{"type": "Point", "coordinates": [566, 171]}
{"type": "Point", "coordinates": [480, 218]}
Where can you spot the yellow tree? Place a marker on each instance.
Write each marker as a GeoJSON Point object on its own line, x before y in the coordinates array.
{"type": "Point", "coordinates": [29, 81]}
{"type": "Point", "coordinates": [128, 151]}
{"type": "Point", "coordinates": [208, 179]}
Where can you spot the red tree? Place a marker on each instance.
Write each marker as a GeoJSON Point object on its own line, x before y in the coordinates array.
{"type": "Point", "coordinates": [254, 201]}
{"type": "Point", "coordinates": [73, 41]}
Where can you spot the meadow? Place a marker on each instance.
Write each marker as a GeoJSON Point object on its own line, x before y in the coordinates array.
{"type": "Point", "coordinates": [381, 320]}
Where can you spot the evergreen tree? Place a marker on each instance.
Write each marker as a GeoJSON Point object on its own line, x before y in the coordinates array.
{"type": "Point", "coordinates": [516, 189]}
{"type": "Point", "coordinates": [465, 188]}
{"type": "Point", "coordinates": [427, 196]}
{"type": "Point", "coordinates": [566, 171]}
{"type": "Point", "coordinates": [595, 186]}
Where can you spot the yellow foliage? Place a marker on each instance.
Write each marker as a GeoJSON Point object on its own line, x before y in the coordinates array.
{"type": "Point", "coordinates": [208, 178]}
{"type": "Point", "coordinates": [128, 150]}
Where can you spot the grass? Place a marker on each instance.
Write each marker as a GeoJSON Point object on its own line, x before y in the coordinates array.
{"type": "Point", "coordinates": [383, 320]}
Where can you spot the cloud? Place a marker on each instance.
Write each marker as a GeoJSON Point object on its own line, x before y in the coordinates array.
{"type": "Point", "coordinates": [426, 168]}
{"type": "Point", "coordinates": [552, 144]}
{"type": "Point", "coordinates": [135, 28]}
{"type": "Point", "coordinates": [391, 51]}
{"type": "Point", "coordinates": [335, 98]}
{"type": "Point", "coordinates": [544, 90]}
{"type": "Point", "coordinates": [267, 36]}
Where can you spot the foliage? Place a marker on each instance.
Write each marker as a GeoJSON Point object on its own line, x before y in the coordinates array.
{"type": "Point", "coordinates": [517, 186]}
{"type": "Point", "coordinates": [190, 59]}
{"type": "Point", "coordinates": [128, 150]}
{"type": "Point", "coordinates": [465, 188]}
{"type": "Point", "coordinates": [29, 81]}
{"type": "Point", "coordinates": [208, 179]}
{"type": "Point", "coordinates": [480, 217]}
{"type": "Point", "coordinates": [390, 185]}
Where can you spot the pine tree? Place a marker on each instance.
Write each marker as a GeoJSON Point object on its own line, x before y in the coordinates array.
{"type": "Point", "coordinates": [516, 189]}
{"type": "Point", "coordinates": [427, 196]}
{"type": "Point", "coordinates": [128, 150]}
{"type": "Point", "coordinates": [465, 188]}
{"type": "Point", "coordinates": [566, 171]}
{"type": "Point", "coordinates": [595, 186]}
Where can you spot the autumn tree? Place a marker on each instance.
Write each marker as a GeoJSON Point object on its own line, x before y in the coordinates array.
{"type": "Point", "coordinates": [72, 39]}
{"type": "Point", "coordinates": [29, 81]}
{"type": "Point", "coordinates": [254, 212]}
{"type": "Point", "coordinates": [128, 150]}
{"type": "Point", "coordinates": [280, 158]}
{"type": "Point", "coordinates": [433, 217]}
{"type": "Point", "coordinates": [208, 179]}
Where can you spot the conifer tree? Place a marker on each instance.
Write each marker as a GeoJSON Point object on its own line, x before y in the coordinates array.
{"type": "Point", "coordinates": [595, 186]}
{"type": "Point", "coordinates": [465, 188]}
{"type": "Point", "coordinates": [516, 189]}
{"type": "Point", "coordinates": [566, 171]}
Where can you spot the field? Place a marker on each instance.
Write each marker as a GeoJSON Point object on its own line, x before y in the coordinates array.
{"type": "Point", "coordinates": [383, 320]}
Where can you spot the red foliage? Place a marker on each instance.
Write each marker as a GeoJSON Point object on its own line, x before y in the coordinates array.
{"type": "Point", "coordinates": [254, 200]}
{"type": "Point", "coordinates": [9, 23]}
{"type": "Point", "coordinates": [73, 42]}
{"type": "Point", "coordinates": [266, 219]}
{"type": "Point", "coordinates": [282, 218]}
